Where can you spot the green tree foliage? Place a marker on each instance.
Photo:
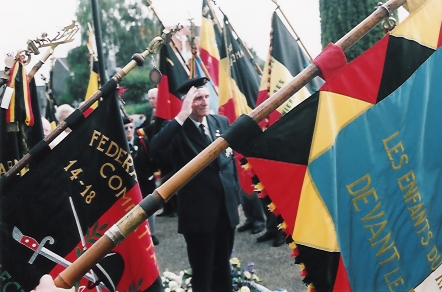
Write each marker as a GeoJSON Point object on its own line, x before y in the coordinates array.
{"type": "Point", "coordinates": [78, 62]}
{"type": "Point", "coordinates": [339, 16]}
{"type": "Point", "coordinates": [137, 84]}
{"type": "Point", "coordinates": [127, 26]}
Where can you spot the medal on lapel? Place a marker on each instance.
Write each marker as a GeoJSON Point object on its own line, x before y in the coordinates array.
{"type": "Point", "coordinates": [229, 150]}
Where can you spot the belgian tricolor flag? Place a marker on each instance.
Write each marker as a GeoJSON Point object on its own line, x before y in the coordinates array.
{"type": "Point", "coordinates": [173, 75]}
{"type": "Point", "coordinates": [68, 199]}
{"type": "Point", "coordinates": [210, 42]}
{"type": "Point", "coordinates": [94, 82]}
{"type": "Point", "coordinates": [239, 80]}
{"type": "Point", "coordinates": [20, 122]}
{"type": "Point", "coordinates": [354, 169]}
{"type": "Point", "coordinates": [284, 61]}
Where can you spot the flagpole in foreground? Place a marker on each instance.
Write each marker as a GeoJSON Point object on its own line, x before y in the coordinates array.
{"type": "Point", "coordinates": [297, 37]}
{"type": "Point", "coordinates": [148, 206]}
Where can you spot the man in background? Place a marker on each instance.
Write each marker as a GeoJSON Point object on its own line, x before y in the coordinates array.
{"type": "Point", "coordinates": [149, 129]}
{"type": "Point", "coordinates": [139, 147]}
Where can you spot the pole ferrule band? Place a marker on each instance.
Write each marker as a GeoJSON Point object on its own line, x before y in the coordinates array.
{"type": "Point", "coordinates": [115, 234]}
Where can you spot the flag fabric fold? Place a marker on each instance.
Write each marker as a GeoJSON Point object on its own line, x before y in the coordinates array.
{"type": "Point", "coordinates": [66, 202]}
{"type": "Point", "coordinates": [173, 75]}
{"type": "Point", "coordinates": [210, 42]}
{"type": "Point", "coordinates": [20, 122]}
{"type": "Point", "coordinates": [284, 61]}
{"type": "Point", "coordinates": [93, 84]}
{"type": "Point", "coordinates": [238, 79]}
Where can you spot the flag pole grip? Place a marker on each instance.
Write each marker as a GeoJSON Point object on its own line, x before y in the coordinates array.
{"type": "Point", "coordinates": [163, 193]}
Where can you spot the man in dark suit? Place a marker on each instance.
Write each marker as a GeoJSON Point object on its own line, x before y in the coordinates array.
{"type": "Point", "coordinates": [208, 204]}
{"type": "Point", "coordinates": [149, 128]}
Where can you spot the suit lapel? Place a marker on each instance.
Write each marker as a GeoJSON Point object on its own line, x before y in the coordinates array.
{"type": "Point", "coordinates": [213, 127]}
{"type": "Point", "coordinates": [193, 133]}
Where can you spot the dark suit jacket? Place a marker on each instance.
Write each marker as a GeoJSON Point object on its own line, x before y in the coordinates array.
{"type": "Point", "coordinates": [144, 166]}
{"type": "Point", "coordinates": [215, 187]}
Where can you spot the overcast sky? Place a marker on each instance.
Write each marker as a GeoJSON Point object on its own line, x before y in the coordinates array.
{"type": "Point", "coordinates": [21, 20]}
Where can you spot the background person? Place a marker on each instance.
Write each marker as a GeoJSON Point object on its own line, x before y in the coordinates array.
{"type": "Point", "coordinates": [149, 128]}
{"type": "Point", "coordinates": [143, 166]}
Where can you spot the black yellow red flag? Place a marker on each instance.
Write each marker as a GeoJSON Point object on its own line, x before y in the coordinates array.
{"type": "Point", "coordinates": [68, 199]}
{"type": "Point", "coordinates": [284, 61]}
{"type": "Point", "coordinates": [20, 122]}
{"type": "Point", "coordinates": [173, 75]}
{"type": "Point", "coordinates": [238, 79]}
{"type": "Point", "coordinates": [210, 43]}
{"type": "Point", "coordinates": [357, 165]}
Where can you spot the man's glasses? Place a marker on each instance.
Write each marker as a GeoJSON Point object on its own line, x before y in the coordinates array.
{"type": "Point", "coordinates": [128, 127]}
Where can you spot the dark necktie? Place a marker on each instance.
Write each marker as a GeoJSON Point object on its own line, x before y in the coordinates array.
{"type": "Point", "coordinates": [203, 132]}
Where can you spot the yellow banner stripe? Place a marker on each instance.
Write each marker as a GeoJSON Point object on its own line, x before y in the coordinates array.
{"type": "Point", "coordinates": [11, 108]}
{"type": "Point", "coordinates": [228, 89]}
{"type": "Point", "coordinates": [208, 39]}
{"type": "Point", "coordinates": [423, 24]}
{"type": "Point", "coordinates": [335, 111]}
{"type": "Point", "coordinates": [314, 226]}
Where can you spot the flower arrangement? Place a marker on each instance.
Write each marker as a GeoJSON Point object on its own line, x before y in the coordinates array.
{"type": "Point", "coordinates": [177, 283]}
{"type": "Point", "coordinates": [243, 280]}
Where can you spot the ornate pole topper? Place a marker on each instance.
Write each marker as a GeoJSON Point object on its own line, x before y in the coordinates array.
{"type": "Point", "coordinates": [66, 35]}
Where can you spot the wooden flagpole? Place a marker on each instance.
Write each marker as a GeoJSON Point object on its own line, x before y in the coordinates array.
{"type": "Point", "coordinates": [215, 18]}
{"type": "Point", "coordinates": [297, 37]}
{"type": "Point", "coordinates": [128, 223]}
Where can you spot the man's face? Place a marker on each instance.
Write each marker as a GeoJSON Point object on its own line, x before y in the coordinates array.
{"type": "Point", "coordinates": [129, 129]}
{"type": "Point", "coordinates": [153, 98]}
{"type": "Point", "coordinates": [201, 105]}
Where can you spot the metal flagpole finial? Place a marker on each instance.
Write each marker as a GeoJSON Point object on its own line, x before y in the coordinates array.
{"type": "Point", "coordinates": [168, 33]}
{"type": "Point", "coordinates": [65, 35]}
